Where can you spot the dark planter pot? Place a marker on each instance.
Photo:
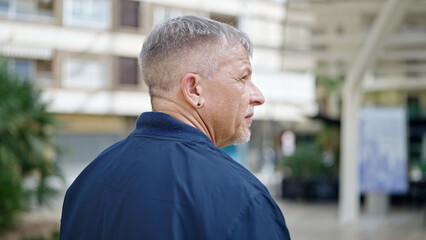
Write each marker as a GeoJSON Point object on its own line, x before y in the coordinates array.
{"type": "Point", "coordinates": [322, 189]}
{"type": "Point", "coordinates": [414, 197]}
{"type": "Point", "coordinates": [293, 188]}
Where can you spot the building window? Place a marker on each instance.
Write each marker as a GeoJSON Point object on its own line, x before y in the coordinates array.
{"type": "Point", "coordinates": [79, 73]}
{"type": "Point", "coordinates": [129, 14]}
{"type": "Point", "coordinates": [38, 72]}
{"type": "Point", "coordinates": [128, 72]}
{"type": "Point", "coordinates": [23, 68]}
{"type": "Point", "coordinates": [27, 10]}
{"type": "Point", "coordinates": [87, 13]}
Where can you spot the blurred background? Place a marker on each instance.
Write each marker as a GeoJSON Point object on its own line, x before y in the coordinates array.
{"type": "Point", "coordinates": [340, 142]}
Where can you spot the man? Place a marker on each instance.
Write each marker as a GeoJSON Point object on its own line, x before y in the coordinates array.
{"type": "Point", "coordinates": [169, 179]}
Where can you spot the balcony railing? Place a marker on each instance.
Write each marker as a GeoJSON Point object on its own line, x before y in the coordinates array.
{"type": "Point", "coordinates": [26, 13]}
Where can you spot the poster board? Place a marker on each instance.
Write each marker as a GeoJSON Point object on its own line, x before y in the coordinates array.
{"type": "Point", "coordinates": [383, 150]}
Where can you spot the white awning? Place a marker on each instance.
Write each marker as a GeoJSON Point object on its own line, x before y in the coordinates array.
{"type": "Point", "coordinates": [28, 52]}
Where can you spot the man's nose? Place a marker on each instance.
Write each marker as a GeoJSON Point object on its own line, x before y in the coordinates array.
{"type": "Point", "coordinates": [256, 97]}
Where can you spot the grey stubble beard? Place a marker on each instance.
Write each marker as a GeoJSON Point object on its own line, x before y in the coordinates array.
{"type": "Point", "coordinates": [242, 138]}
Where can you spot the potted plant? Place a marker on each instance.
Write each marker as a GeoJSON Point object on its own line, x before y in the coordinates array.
{"type": "Point", "coordinates": [309, 174]}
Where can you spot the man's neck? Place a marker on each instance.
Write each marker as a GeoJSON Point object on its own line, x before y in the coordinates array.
{"type": "Point", "coordinates": [180, 110]}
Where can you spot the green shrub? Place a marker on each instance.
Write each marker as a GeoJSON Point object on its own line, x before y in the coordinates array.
{"type": "Point", "coordinates": [308, 161]}
{"type": "Point", "coordinates": [27, 149]}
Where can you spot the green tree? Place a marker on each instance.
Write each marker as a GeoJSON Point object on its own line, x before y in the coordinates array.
{"type": "Point", "coordinates": [27, 149]}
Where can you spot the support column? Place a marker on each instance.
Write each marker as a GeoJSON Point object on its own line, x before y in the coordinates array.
{"type": "Point", "coordinates": [389, 16]}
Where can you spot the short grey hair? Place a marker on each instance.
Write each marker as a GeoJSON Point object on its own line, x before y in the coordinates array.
{"type": "Point", "coordinates": [186, 44]}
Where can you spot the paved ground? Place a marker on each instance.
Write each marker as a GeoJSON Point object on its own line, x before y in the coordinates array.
{"type": "Point", "coordinates": [320, 222]}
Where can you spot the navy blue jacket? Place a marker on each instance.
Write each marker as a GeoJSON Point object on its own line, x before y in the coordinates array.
{"type": "Point", "coordinates": [167, 180]}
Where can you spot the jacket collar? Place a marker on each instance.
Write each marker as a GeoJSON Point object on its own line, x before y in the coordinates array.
{"type": "Point", "coordinates": [163, 125]}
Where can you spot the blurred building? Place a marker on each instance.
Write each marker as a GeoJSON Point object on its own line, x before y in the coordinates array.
{"type": "Point", "coordinates": [396, 78]}
{"type": "Point", "coordinates": [83, 55]}
{"type": "Point", "coordinates": [398, 75]}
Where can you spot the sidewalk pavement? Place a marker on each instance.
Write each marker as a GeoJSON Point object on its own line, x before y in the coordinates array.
{"type": "Point", "coordinates": [319, 221]}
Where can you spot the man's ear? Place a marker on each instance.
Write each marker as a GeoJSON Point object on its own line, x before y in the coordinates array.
{"type": "Point", "coordinates": [191, 89]}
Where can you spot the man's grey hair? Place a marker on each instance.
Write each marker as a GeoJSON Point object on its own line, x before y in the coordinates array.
{"type": "Point", "coordinates": [186, 44]}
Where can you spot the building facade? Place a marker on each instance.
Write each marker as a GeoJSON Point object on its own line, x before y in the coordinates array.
{"type": "Point", "coordinates": [82, 54]}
